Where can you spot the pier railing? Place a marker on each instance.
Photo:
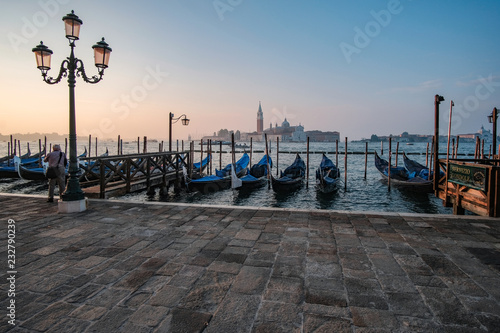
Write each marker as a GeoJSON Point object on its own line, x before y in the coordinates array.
{"type": "Point", "coordinates": [120, 174]}
{"type": "Point", "coordinates": [471, 184]}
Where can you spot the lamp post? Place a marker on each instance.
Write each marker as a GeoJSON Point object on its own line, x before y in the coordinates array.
{"type": "Point", "coordinates": [492, 118]}
{"type": "Point", "coordinates": [71, 68]}
{"type": "Point", "coordinates": [172, 120]}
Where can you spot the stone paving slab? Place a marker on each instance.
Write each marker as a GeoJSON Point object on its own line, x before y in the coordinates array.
{"type": "Point", "coordinates": [159, 267]}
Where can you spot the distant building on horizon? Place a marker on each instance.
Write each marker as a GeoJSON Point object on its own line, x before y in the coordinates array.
{"type": "Point", "coordinates": [482, 134]}
{"type": "Point", "coordinates": [260, 120]}
{"type": "Point", "coordinates": [286, 132]}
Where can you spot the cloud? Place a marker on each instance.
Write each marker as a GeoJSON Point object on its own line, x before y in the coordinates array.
{"type": "Point", "coordinates": [424, 86]}
{"type": "Point", "coordinates": [476, 82]}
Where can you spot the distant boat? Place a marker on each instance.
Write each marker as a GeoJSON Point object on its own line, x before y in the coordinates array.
{"type": "Point", "coordinates": [327, 176]}
{"type": "Point", "coordinates": [409, 143]}
{"type": "Point", "coordinates": [292, 178]}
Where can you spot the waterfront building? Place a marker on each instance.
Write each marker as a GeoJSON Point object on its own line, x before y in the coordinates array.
{"type": "Point", "coordinates": [260, 120]}
{"type": "Point", "coordinates": [286, 132]}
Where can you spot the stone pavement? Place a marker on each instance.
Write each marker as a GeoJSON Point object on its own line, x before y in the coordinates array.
{"type": "Point", "coordinates": [157, 267]}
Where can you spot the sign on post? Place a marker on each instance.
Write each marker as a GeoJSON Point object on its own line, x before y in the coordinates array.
{"type": "Point", "coordinates": [467, 175]}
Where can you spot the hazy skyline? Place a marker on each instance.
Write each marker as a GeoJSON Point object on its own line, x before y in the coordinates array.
{"type": "Point", "coordinates": [356, 67]}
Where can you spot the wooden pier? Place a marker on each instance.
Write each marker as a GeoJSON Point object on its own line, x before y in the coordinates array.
{"type": "Point", "coordinates": [108, 176]}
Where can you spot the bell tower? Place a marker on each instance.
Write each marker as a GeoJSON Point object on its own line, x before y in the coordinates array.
{"type": "Point", "coordinates": [260, 120]}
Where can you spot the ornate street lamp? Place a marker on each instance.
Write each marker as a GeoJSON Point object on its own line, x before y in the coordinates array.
{"type": "Point", "coordinates": [172, 120]}
{"type": "Point", "coordinates": [72, 67]}
{"type": "Point", "coordinates": [492, 118]}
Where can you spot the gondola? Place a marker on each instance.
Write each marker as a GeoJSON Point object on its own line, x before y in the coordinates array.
{"type": "Point", "coordinates": [416, 169]}
{"type": "Point", "coordinates": [8, 172]}
{"type": "Point", "coordinates": [35, 172]}
{"type": "Point", "coordinates": [292, 178]}
{"type": "Point", "coordinates": [220, 181]}
{"type": "Point", "coordinates": [10, 169]}
{"type": "Point", "coordinates": [327, 176]}
{"type": "Point", "coordinates": [257, 175]}
{"type": "Point", "coordinates": [401, 177]}
{"type": "Point", "coordinates": [6, 159]}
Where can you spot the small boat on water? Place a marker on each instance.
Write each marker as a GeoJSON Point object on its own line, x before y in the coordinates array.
{"type": "Point", "coordinates": [257, 175]}
{"type": "Point", "coordinates": [292, 178]}
{"type": "Point", "coordinates": [221, 180]}
{"type": "Point", "coordinates": [401, 176]}
{"type": "Point", "coordinates": [327, 175]}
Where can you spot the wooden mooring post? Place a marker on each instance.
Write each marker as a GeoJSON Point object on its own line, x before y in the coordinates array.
{"type": "Point", "coordinates": [268, 169]}
{"type": "Point", "coordinates": [337, 152]}
{"type": "Point", "coordinates": [366, 157]}
{"type": "Point", "coordinates": [389, 168]}
{"type": "Point", "coordinates": [278, 153]}
{"type": "Point", "coordinates": [220, 155]}
{"type": "Point", "coordinates": [307, 165]}
{"type": "Point", "coordinates": [397, 153]}
{"type": "Point", "coordinates": [251, 151]}
{"type": "Point", "coordinates": [345, 165]}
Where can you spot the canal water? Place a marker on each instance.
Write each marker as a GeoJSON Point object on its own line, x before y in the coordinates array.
{"type": "Point", "coordinates": [356, 194]}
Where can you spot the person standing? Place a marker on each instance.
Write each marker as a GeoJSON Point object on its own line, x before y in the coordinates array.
{"type": "Point", "coordinates": [57, 159]}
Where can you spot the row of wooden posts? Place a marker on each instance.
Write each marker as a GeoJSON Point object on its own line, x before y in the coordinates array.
{"type": "Point", "coordinates": [14, 147]}
{"type": "Point", "coordinates": [478, 153]}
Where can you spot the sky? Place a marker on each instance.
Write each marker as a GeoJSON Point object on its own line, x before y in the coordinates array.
{"type": "Point", "coordinates": [356, 67]}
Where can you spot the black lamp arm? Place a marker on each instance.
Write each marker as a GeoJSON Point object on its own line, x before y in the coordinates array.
{"type": "Point", "coordinates": [63, 72]}
{"type": "Point", "coordinates": [80, 71]}
{"type": "Point", "coordinates": [174, 120]}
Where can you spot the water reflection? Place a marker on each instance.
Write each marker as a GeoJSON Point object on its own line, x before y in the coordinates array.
{"type": "Point", "coordinates": [326, 200]}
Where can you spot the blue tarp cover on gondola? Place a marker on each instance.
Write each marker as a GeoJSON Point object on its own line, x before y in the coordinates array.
{"type": "Point", "coordinates": [241, 164]}
{"type": "Point", "coordinates": [297, 169]}
{"type": "Point", "coordinates": [206, 179]}
{"type": "Point", "coordinates": [249, 178]}
{"type": "Point", "coordinates": [196, 166]}
{"type": "Point", "coordinates": [260, 169]}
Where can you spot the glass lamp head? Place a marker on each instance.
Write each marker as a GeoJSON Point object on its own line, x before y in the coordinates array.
{"type": "Point", "coordinates": [102, 52]}
{"type": "Point", "coordinates": [42, 55]}
{"type": "Point", "coordinates": [72, 26]}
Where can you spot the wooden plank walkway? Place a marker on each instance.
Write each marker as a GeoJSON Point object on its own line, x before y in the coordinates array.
{"type": "Point", "coordinates": [108, 176]}
{"type": "Point", "coordinates": [158, 267]}
{"type": "Point", "coordinates": [118, 188]}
